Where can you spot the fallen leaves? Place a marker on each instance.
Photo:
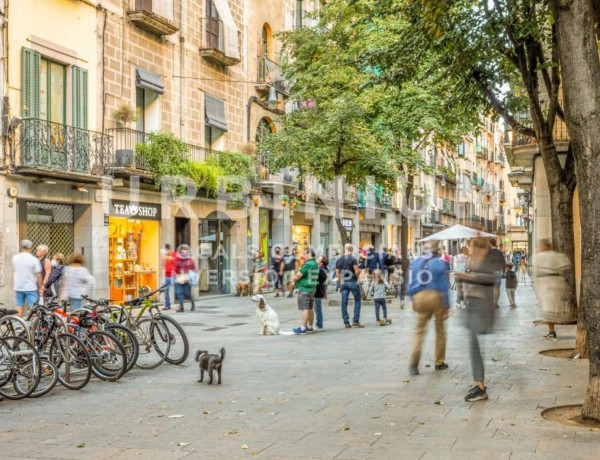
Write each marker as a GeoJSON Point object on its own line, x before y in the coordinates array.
{"type": "Point", "coordinates": [233, 432]}
{"type": "Point", "coordinates": [345, 428]}
{"type": "Point", "coordinates": [183, 444]}
{"type": "Point", "coordinates": [81, 445]}
{"type": "Point", "coordinates": [495, 359]}
{"type": "Point", "coordinates": [245, 446]}
{"type": "Point", "coordinates": [438, 402]}
{"type": "Point", "coordinates": [206, 412]}
{"type": "Point", "coordinates": [175, 416]}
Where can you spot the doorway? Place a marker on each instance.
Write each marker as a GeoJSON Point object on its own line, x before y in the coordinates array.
{"type": "Point", "coordinates": [214, 263]}
{"type": "Point", "coordinates": [182, 231]}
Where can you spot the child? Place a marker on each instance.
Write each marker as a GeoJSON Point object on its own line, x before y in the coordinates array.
{"type": "Point", "coordinates": [511, 285]}
{"type": "Point", "coordinates": [378, 288]}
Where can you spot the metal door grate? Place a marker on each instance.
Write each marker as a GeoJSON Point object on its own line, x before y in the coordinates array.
{"type": "Point", "coordinates": [53, 225]}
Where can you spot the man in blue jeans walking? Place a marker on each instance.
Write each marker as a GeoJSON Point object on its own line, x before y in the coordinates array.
{"type": "Point", "coordinates": [347, 271]}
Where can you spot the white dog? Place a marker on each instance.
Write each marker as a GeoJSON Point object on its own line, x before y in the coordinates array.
{"type": "Point", "coordinates": [267, 317]}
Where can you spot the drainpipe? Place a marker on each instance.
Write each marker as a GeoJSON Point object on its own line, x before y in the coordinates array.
{"type": "Point", "coordinates": [248, 115]}
{"type": "Point", "coordinates": [182, 31]}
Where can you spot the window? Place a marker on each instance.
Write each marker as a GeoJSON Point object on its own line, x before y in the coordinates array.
{"type": "Point", "coordinates": [299, 14]}
{"type": "Point", "coordinates": [214, 37]}
{"type": "Point", "coordinates": [148, 88]}
{"type": "Point", "coordinates": [215, 124]}
{"type": "Point", "coordinates": [44, 90]}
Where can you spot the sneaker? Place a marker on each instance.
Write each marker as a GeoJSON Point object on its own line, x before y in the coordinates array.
{"type": "Point", "coordinates": [476, 394]}
{"type": "Point", "coordinates": [347, 325]}
{"type": "Point", "coordinates": [388, 321]}
{"type": "Point", "coordinates": [180, 310]}
{"type": "Point", "coordinates": [319, 329]}
{"type": "Point", "coordinates": [299, 330]}
{"type": "Point", "coordinates": [413, 369]}
{"type": "Point", "coordinates": [357, 325]}
{"type": "Point", "coordinates": [441, 367]}
{"type": "Point", "coordinates": [309, 330]}
{"type": "Point", "coordinates": [550, 335]}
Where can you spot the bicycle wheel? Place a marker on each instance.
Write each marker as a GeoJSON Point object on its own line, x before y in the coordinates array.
{"type": "Point", "coordinates": [180, 347]}
{"type": "Point", "coordinates": [19, 368]}
{"type": "Point", "coordinates": [48, 380]}
{"type": "Point", "coordinates": [69, 355]}
{"type": "Point", "coordinates": [108, 356]}
{"type": "Point", "coordinates": [152, 336]}
{"type": "Point", "coordinates": [128, 341]}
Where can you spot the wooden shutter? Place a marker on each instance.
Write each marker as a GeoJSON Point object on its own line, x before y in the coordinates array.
{"type": "Point", "coordinates": [80, 98]}
{"type": "Point", "coordinates": [30, 83]}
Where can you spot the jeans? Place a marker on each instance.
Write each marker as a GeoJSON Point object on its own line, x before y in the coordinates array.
{"type": "Point", "coordinates": [380, 303]}
{"type": "Point", "coordinates": [183, 291]}
{"type": "Point", "coordinates": [75, 303]}
{"type": "Point", "coordinates": [510, 293]}
{"type": "Point", "coordinates": [476, 359]}
{"type": "Point", "coordinates": [319, 312]}
{"type": "Point", "coordinates": [169, 280]}
{"type": "Point", "coordinates": [347, 288]}
{"type": "Point", "coordinates": [21, 296]}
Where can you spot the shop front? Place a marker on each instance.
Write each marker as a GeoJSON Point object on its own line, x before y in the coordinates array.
{"type": "Point", "coordinates": [134, 248]}
{"type": "Point", "coordinates": [370, 234]}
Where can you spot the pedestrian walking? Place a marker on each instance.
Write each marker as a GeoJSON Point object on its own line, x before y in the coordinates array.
{"type": "Point", "coordinates": [290, 263]}
{"type": "Point", "coordinates": [378, 289]}
{"type": "Point", "coordinates": [277, 269]}
{"type": "Point", "coordinates": [321, 291]}
{"type": "Point", "coordinates": [347, 272]}
{"type": "Point", "coordinates": [480, 310]}
{"type": "Point", "coordinates": [77, 281]}
{"type": "Point", "coordinates": [306, 283]}
{"type": "Point", "coordinates": [552, 289]}
{"type": "Point", "coordinates": [460, 266]}
{"type": "Point", "coordinates": [511, 285]}
{"type": "Point", "coordinates": [185, 269]}
{"type": "Point", "coordinates": [27, 278]}
{"type": "Point", "coordinates": [169, 264]}
{"type": "Point", "coordinates": [429, 293]}
{"type": "Point", "coordinates": [41, 253]}
{"type": "Point", "coordinates": [52, 284]}
{"type": "Point", "coordinates": [498, 264]}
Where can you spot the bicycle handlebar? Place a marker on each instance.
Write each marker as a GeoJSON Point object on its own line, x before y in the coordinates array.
{"type": "Point", "coordinates": [144, 297]}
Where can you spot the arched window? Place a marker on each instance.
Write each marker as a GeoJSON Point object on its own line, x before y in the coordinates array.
{"type": "Point", "coordinates": [266, 44]}
{"type": "Point", "coordinates": [264, 128]}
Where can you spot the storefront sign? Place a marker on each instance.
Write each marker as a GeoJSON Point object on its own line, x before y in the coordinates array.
{"type": "Point", "coordinates": [348, 224]}
{"type": "Point", "coordinates": [148, 211]}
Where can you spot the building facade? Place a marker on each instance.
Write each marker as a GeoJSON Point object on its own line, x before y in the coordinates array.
{"type": "Point", "coordinates": [81, 102]}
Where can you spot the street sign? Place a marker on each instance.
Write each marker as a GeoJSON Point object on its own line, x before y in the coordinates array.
{"type": "Point", "coordinates": [348, 224]}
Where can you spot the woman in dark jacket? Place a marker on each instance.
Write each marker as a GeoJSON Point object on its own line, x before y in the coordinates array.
{"type": "Point", "coordinates": [480, 309]}
{"type": "Point", "coordinates": [52, 284]}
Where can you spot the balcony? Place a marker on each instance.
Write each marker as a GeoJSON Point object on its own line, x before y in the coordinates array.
{"type": "Point", "coordinates": [53, 149]}
{"type": "Point", "coordinates": [479, 183]}
{"type": "Point", "coordinates": [284, 180]}
{"type": "Point", "coordinates": [479, 151]}
{"type": "Point", "coordinates": [436, 216]}
{"type": "Point", "coordinates": [270, 75]}
{"type": "Point", "coordinates": [213, 47]}
{"type": "Point", "coordinates": [154, 16]}
{"type": "Point", "coordinates": [502, 197]}
{"type": "Point", "coordinates": [126, 160]}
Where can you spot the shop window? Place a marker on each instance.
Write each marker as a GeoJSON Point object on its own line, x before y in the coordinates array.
{"type": "Point", "coordinates": [50, 224]}
{"type": "Point", "coordinates": [133, 256]}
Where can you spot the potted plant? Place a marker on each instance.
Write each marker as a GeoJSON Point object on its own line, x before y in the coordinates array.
{"type": "Point", "coordinates": [124, 116]}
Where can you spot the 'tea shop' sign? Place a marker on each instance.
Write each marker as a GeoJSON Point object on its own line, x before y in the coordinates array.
{"type": "Point", "coordinates": [148, 211]}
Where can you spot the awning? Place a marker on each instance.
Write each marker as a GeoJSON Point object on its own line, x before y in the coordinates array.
{"type": "Point", "coordinates": [215, 112]}
{"type": "Point", "coordinates": [149, 80]}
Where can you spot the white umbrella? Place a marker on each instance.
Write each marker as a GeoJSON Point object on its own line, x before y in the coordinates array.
{"type": "Point", "coordinates": [458, 232]}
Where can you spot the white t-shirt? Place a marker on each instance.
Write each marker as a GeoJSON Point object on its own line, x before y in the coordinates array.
{"type": "Point", "coordinates": [25, 269]}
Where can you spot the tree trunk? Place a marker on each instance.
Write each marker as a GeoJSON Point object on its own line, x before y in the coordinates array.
{"type": "Point", "coordinates": [338, 220]}
{"type": "Point", "coordinates": [404, 235]}
{"type": "Point", "coordinates": [581, 87]}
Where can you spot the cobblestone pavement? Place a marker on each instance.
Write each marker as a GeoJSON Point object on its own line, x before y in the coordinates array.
{"type": "Point", "coordinates": [339, 394]}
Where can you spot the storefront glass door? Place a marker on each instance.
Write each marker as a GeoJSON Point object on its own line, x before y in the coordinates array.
{"type": "Point", "coordinates": [214, 263]}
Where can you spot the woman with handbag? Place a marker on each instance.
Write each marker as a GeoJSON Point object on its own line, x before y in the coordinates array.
{"type": "Point", "coordinates": [480, 309]}
{"type": "Point", "coordinates": [185, 271]}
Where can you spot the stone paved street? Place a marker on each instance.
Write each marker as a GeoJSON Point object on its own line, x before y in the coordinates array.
{"type": "Point", "coordinates": [340, 394]}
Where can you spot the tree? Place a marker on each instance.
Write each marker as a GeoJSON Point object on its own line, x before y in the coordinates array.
{"type": "Point", "coordinates": [329, 136]}
{"type": "Point", "coordinates": [575, 22]}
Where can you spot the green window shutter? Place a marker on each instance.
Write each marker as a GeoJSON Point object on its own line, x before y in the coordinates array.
{"type": "Point", "coordinates": [80, 98]}
{"type": "Point", "coordinates": [30, 83]}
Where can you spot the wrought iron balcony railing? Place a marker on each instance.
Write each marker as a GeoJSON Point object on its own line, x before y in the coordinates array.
{"type": "Point", "coordinates": [269, 73]}
{"type": "Point", "coordinates": [126, 141]}
{"type": "Point", "coordinates": [46, 145]}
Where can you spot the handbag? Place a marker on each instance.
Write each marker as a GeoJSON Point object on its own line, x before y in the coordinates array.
{"type": "Point", "coordinates": [193, 277]}
{"type": "Point", "coordinates": [182, 278]}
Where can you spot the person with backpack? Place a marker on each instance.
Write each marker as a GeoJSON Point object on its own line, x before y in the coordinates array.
{"type": "Point", "coordinates": [429, 293]}
{"type": "Point", "coordinates": [289, 265]}
{"type": "Point", "coordinates": [511, 285]}
{"type": "Point", "coordinates": [321, 292]}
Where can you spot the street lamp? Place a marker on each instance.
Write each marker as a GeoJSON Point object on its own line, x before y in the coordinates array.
{"type": "Point", "coordinates": [273, 100]}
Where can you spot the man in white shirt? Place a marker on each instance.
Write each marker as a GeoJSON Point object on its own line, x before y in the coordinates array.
{"type": "Point", "coordinates": [27, 277]}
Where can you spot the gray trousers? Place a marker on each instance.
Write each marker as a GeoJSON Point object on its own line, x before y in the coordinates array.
{"type": "Point", "coordinates": [476, 358]}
